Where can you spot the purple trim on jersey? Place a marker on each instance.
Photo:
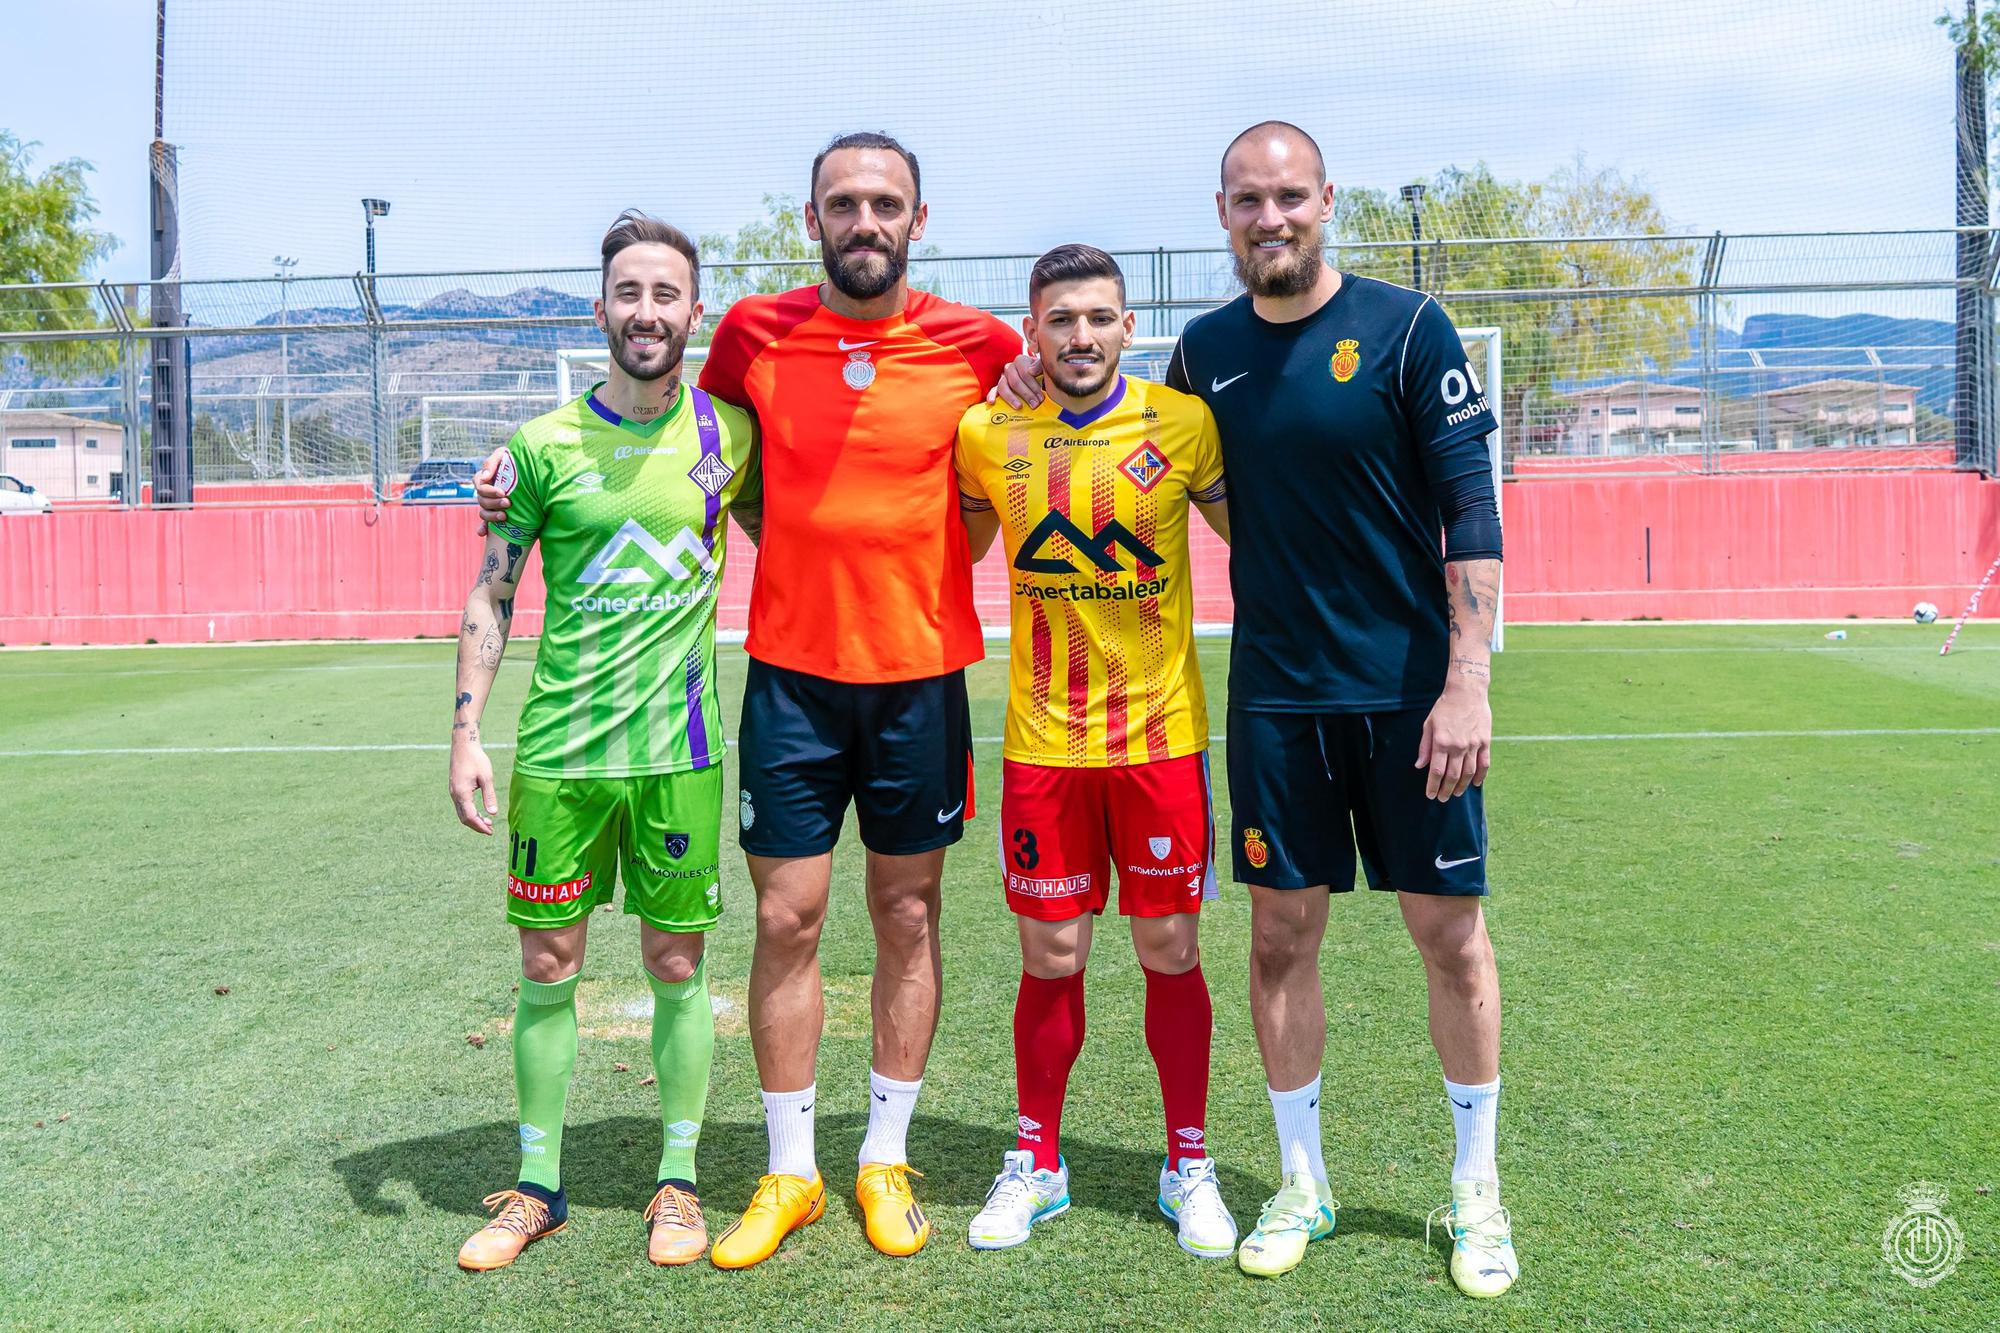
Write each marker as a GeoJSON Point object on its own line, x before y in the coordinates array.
{"type": "Point", "coordinates": [711, 447]}
{"type": "Point", "coordinates": [697, 730]}
{"type": "Point", "coordinates": [1078, 420]}
{"type": "Point", "coordinates": [602, 410]}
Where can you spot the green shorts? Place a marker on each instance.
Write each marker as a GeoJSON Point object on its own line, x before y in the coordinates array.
{"type": "Point", "coordinates": [569, 837]}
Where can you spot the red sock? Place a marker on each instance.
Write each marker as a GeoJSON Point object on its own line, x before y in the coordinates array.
{"type": "Point", "coordinates": [1180, 1024]}
{"type": "Point", "coordinates": [1048, 1032]}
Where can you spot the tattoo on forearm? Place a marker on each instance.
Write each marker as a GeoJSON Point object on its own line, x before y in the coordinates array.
{"type": "Point", "coordinates": [506, 613]}
{"type": "Point", "coordinates": [489, 569]}
{"type": "Point", "coordinates": [514, 554]}
{"type": "Point", "coordinates": [490, 648]}
{"type": "Point", "coordinates": [470, 629]}
{"type": "Point", "coordinates": [464, 698]}
{"type": "Point", "coordinates": [1465, 666]}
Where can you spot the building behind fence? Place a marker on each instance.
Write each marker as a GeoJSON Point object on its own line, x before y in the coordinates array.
{"type": "Point", "coordinates": [1700, 355]}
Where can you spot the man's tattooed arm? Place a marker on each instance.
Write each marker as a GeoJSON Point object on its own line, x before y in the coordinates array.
{"type": "Point", "coordinates": [483, 631]}
{"type": "Point", "coordinates": [1472, 592]}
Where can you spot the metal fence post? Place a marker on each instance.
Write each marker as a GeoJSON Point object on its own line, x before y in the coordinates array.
{"type": "Point", "coordinates": [1711, 387]}
{"type": "Point", "coordinates": [364, 285]}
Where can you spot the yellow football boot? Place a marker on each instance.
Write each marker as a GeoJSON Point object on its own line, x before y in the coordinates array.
{"type": "Point", "coordinates": [676, 1233]}
{"type": "Point", "coordinates": [781, 1205]}
{"type": "Point", "coordinates": [519, 1221]}
{"type": "Point", "coordinates": [896, 1226]}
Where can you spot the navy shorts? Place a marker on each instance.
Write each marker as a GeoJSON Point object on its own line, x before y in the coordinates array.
{"type": "Point", "coordinates": [1308, 790]}
{"type": "Point", "coordinates": [901, 752]}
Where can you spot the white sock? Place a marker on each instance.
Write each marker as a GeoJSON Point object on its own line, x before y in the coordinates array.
{"type": "Point", "coordinates": [788, 1119]}
{"type": "Point", "coordinates": [1473, 1107]}
{"type": "Point", "coordinates": [890, 1103]}
{"type": "Point", "coordinates": [1297, 1114]}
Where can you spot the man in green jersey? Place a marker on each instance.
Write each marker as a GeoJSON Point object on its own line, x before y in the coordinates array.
{"type": "Point", "coordinates": [618, 766]}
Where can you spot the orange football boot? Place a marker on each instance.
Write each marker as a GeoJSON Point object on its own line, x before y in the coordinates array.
{"type": "Point", "coordinates": [678, 1235]}
{"type": "Point", "coordinates": [896, 1226]}
{"type": "Point", "coordinates": [519, 1221]}
{"type": "Point", "coordinates": [781, 1205]}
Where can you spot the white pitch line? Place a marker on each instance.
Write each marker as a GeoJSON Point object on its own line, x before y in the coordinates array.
{"type": "Point", "coordinates": [1576, 738]}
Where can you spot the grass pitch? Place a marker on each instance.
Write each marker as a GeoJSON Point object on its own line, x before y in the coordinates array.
{"type": "Point", "coordinates": [1750, 993]}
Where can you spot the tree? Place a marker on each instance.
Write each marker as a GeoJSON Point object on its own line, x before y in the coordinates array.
{"type": "Point", "coordinates": [45, 236]}
{"type": "Point", "coordinates": [1541, 248]}
{"type": "Point", "coordinates": [780, 234]}
{"type": "Point", "coordinates": [754, 259]}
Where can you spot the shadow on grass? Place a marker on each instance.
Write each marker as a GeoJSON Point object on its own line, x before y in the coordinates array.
{"type": "Point", "coordinates": [609, 1164]}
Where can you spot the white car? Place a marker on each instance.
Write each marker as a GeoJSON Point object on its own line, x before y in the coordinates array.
{"type": "Point", "coordinates": [18, 497]}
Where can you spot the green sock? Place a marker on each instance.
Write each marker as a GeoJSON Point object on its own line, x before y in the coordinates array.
{"type": "Point", "coordinates": [683, 1045]}
{"type": "Point", "coordinates": [544, 1059]}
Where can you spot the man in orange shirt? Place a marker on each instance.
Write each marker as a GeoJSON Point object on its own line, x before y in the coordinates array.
{"type": "Point", "coordinates": [861, 626]}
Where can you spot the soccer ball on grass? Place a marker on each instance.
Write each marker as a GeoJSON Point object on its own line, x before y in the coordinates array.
{"type": "Point", "coordinates": [1924, 614]}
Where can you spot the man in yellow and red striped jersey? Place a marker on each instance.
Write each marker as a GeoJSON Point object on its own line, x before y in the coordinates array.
{"type": "Point", "coordinates": [1107, 727]}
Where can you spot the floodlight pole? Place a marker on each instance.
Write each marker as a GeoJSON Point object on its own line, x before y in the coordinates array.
{"type": "Point", "coordinates": [172, 406]}
{"type": "Point", "coordinates": [372, 209]}
{"type": "Point", "coordinates": [1413, 195]}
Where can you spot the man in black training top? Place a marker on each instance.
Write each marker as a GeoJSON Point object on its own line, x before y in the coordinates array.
{"type": "Point", "coordinates": [1353, 436]}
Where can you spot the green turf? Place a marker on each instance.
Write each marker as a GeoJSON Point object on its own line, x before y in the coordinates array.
{"type": "Point", "coordinates": [1750, 994]}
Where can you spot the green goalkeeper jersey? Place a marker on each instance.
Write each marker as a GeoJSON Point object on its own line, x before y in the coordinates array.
{"type": "Point", "coordinates": [630, 518]}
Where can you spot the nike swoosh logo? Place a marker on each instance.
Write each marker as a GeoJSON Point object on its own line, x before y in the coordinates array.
{"type": "Point", "coordinates": [1443, 864]}
{"type": "Point", "coordinates": [847, 346]}
{"type": "Point", "coordinates": [1463, 1106]}
{"type": "Point", "coordinates": [807, 1107]}
{"type": "Point", "coordinates": [945, 816]}
{"type": "Point", "coordinates": [881, 1096]}
{"type": "Point", "coordinates": [1217, 386]}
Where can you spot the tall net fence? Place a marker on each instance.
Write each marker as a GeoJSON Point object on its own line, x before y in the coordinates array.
{"type": "Point", "coordinates": [1676, 354]}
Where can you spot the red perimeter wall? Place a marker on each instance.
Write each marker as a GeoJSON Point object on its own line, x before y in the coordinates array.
{"type": "Point", "coordinates": [1752, 547]}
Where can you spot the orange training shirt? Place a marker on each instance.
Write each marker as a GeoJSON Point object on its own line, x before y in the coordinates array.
{"type": "Point", "coordinates": [863, 572]}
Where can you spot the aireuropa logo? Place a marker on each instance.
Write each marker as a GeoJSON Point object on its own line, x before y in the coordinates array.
{"type": "Point", "coordinates": [1923, 1245]}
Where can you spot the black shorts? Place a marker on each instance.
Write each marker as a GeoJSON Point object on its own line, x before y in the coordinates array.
{"type": "Point", "coordinates": [902, 752]}
{"type": "Point", "coordinates": [1305, 789]}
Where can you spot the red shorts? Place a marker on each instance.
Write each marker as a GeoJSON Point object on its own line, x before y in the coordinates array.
{"type": "Point", "coordinates": [1062, 828]}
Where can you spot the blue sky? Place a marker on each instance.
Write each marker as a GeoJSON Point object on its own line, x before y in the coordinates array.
{"type": "Point", "coordinates": [508, 133]}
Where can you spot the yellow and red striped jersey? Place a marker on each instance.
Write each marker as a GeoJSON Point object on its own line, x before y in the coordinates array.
{"type": "Point", "coordinates": [1093, 512]}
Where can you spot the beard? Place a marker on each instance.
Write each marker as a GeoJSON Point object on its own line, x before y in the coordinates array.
{"type": "Point", "coordinates": [1280, 273]}
{"type": "Point", "coordinates": [638, 362]}
{"type": "Point", "coordinates": [864, 274]}
{"type": "Point", "coordinates": [1079, 381]}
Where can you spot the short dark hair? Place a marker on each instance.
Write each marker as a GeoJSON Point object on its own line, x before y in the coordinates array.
{"type": "Point", "coordinates": [634, 227]}
{"type": "Point", "coordinates": [1281, 127]}
{"type": "Point", "coordinates": [1073, 263]}
{"type": "Point", "coordinates": [867, 139]}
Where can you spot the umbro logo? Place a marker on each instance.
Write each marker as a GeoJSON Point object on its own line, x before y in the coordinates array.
{"type": "Point", "coordinates": [1191, 1136]}
{"type": "Point", "coordinates": [1017, 465]}
{"type": "Point", "coordinates": [685, 1128]}
{"type": "Point", "coordinates": [590, 483]}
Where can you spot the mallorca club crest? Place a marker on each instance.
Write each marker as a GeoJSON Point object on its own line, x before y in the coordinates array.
{"type": "Point", "coordinates": [1146, 466]}
{"type": "Point", "coordinates": [1255, 850]}
{"type": "Point", "coordinates": [859, 372]}
{"type": "Point", "coordinates": [1346, 360]}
